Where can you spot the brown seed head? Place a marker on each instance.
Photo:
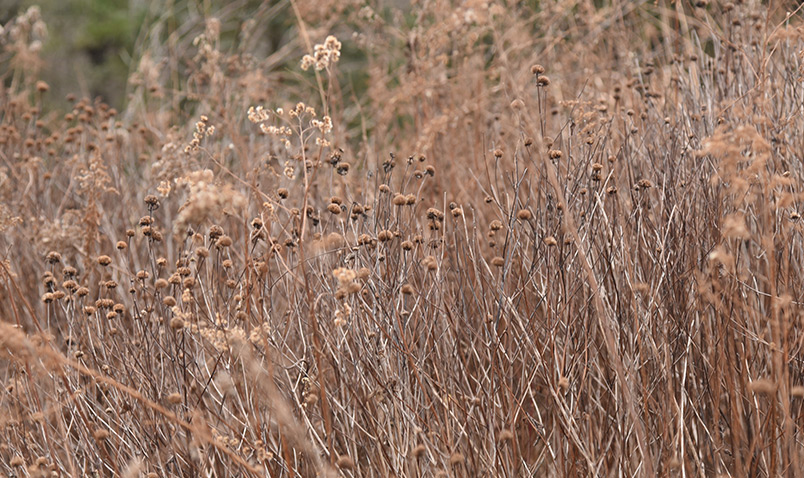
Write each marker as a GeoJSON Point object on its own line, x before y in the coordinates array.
{"type": "Point", "coordinates": [505, 435]}
{"type": "Point", "coordinates": [418, 450]}
{"type": "Point", "coordinates": [152, 202]}
{"type": "Point", "coordinates": [345, 462]}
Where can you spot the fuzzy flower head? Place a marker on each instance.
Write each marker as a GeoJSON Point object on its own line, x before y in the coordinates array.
{"type": "Point", "coordinates": [206, 199]}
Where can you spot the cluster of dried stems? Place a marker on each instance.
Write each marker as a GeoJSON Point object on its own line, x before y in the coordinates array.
{"type": "Point", "coordinates": [552, 238]}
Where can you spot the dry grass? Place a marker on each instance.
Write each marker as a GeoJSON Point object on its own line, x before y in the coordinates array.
{"type": "Point", "coordinates": [551, 240]}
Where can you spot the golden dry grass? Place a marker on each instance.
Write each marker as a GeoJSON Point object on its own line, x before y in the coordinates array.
{"type": "Point", "coordinates": [467, 239]}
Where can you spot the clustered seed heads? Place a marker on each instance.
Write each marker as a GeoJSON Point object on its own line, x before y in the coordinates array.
{"type": "Point", "coordinates": [324, 55]}
{"type": "Point", "coordinates": [202, 130]}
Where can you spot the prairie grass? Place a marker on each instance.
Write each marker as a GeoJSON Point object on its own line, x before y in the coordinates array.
{"type": "Point", "coordinates": [462, 239]}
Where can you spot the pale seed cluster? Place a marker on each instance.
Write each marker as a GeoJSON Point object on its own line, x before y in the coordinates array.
{"type": "Point", "coordinates": [324, 55]}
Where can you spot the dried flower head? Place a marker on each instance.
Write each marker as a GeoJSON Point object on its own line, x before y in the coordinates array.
{"type": "Point", "coordinates": [324, 55]}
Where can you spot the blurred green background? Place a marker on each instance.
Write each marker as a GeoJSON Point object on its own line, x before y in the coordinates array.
{"type": "Point", "coordinates": [94, 45]}
{"type": "Point", "coordinates": [89, 46]}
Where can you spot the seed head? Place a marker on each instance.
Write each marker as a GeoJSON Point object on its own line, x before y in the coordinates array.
{"type": "Point", "coordinates": [152, 202]}
{"type": "Point", "coordinates": [537, 69]}
{"type": "Point", "coordinates": [345, 462]}
{"type": "Point", "coordinates": [399, 200]}
{"type": "Point", "coordinates": [505, 435]}
{"type": "Point", "coordinates": [418, 450]}
{"type": "Point", "coordinates": [430, 263]}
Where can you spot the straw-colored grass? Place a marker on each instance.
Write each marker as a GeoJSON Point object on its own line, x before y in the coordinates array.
{"type": "Point", "coordinates": [459, 239]}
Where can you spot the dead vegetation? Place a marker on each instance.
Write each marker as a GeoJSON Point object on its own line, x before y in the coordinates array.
{"type": "Point", "coordinates": [456, 239]}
